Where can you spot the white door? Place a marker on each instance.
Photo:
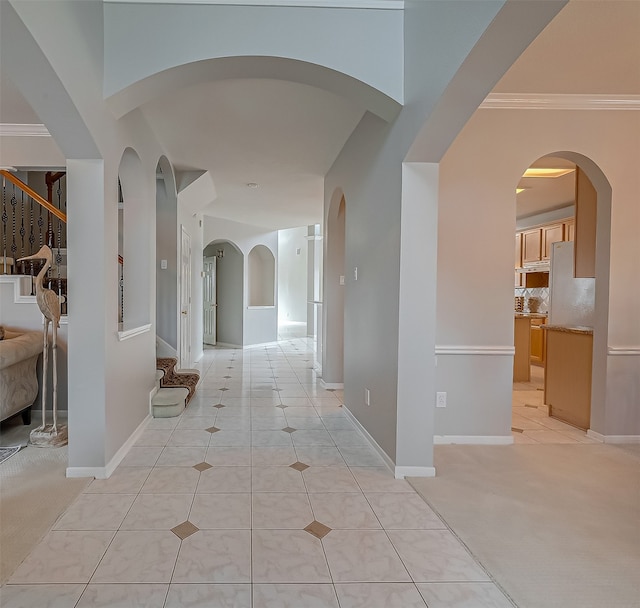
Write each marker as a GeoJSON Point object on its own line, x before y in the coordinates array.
{"type": "Point", "coordinates": [209, 302]}
{"type": "Point", "coordinates": [185, 300]}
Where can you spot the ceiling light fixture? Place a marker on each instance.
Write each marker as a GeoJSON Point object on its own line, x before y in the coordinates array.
{"type": "Point", "coordinates": [252, 185]}
{"type": "Point", "coordinates": [546, 172]}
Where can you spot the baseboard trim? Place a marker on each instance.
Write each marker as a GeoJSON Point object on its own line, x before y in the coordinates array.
{"type": "Point", "coordinates": [613, 438]}
{"type": "Point", "coordinates": [333, 385]}
{"type": "Point", "coordinates": [472, 439]}
{"type": "Point", "coordinates": [402, 472]}
{"type": "Point", "coordinates": [226, 345]}
{"type": "Point", "coordinates": [106, 471]}
{"type": "Point", "coordinates": [374, 444]}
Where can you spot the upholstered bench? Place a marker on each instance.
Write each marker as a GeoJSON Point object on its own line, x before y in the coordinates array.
{"type": "Point", "coordinates": [19, 353]}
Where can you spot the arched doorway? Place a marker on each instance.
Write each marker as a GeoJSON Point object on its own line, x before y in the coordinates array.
{"type": "Point", "coordinates": [223, 293]}
{"type": "Point", "coordinates": [334, 293]}
{"type": "Point", "coordinates": [563, 217]}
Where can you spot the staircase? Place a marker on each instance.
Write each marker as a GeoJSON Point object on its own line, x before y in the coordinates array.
{"type": "Point", "coordinates": [174, 388]}
{"type": "Point", "coordinates": [28, 221]}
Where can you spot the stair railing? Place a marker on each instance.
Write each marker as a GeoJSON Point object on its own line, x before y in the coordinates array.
{"type": "Point", "coordinates": [19, 240]}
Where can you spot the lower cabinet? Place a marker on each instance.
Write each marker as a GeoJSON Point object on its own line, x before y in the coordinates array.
{"type": "Point", "coordinates": [537, 342]}
{"type": "Point", "coordinates": [567, 376]}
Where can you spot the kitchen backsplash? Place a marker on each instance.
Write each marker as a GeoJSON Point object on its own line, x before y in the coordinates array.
{"type": "Point", "coordinates": [534, 292]}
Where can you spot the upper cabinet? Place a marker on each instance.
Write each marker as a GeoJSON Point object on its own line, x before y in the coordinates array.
{"type": "Point", "coordinates": [531, 246]}
{"type": "Point", "coordinates": [551, 234]}
{"type": "Point", "coordinates": [519, 276]}
{"type": "Point", "coordinates": [569, 230]}
{"type": "Point", "coordinates": [534, 245]}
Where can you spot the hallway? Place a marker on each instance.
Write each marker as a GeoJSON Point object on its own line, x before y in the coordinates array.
{"type": "Point", "coordinates": [262, 494]}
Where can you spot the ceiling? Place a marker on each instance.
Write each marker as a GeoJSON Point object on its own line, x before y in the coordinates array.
{"type": "Point", "coordinates": [284, 136]}
{"type": "Point", "coordinates": [281, 136]}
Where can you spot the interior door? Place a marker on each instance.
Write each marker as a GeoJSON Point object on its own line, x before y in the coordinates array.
{"type": "Point", "coordinates": [185, 299]}
{"type": "Point", "coordinates": [209, 302]}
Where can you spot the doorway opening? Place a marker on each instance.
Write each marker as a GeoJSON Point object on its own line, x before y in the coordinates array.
{"type": "Point", "coordinates": [223, 293]}
{"type": "Point", "coordinates": [293, 283]}
{"type": "Point", "coordinates": [555, 314]}
{"type": "Point", "coordinates": [334, 293]}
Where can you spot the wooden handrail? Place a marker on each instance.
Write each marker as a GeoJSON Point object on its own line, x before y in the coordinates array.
{"type": "Point", "coordinates": [34, 195]}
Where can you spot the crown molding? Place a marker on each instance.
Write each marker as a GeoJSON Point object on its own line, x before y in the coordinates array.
{"type": "Point", "coordinates": [553, 101]}
{"type": "Point", "coordinates": [20, 130]}
{"type": "Point", "coordinates": [396, 5]}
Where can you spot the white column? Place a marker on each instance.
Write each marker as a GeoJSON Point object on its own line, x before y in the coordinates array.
{"type": "Point", "coordinates": [89, 278]}
{"type": "Point", "coordinates": [417, 320]}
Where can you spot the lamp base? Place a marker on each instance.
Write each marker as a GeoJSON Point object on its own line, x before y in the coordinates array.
{"type": "Point", "coordinates": [48, 437]}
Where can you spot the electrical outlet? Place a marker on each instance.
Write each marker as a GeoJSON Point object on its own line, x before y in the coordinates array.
{"type": "Point", "coordinates": [367, 396]}
{"type": "Point", "coordinates": [341, 279]}
{"type": "Point", "coordinates": [441, 399]}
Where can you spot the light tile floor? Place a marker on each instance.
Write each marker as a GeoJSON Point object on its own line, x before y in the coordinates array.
{"type": "Point", "coordinates": [530, 421]}
{"type": "Point", "coordinates": [261, 494]}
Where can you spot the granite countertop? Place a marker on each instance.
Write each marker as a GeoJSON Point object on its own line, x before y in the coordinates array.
{"type": "Point", "coordinates": [578, 329]}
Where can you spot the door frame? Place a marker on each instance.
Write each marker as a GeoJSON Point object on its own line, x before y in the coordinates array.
{"type": "Point", "coordinates": [213, 302]}
{"type": "Point", "coordinates": [185, 298]}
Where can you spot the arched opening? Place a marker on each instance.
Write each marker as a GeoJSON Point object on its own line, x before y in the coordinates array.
{"type": "Point", "coordinates": [133, 246]}
{"type": "Point", "coordinates": [262, 275]}
{"type": "Point", "coordinates": [334, 296]}
{"type": "Point", "coordinates": [223, 293]}
{"type": "Point", "coordinates": [563, 217]}
{"type": "Point", "coordinates": [166, 255]}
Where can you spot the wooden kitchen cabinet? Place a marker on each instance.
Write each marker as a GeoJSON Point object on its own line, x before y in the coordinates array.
{"type": "Point", "coordinates": [537, 342]}
{"type": "Point", "coordinates": [567, 375]}
{"type": "Point", "coordinates": [569, 230]}
{"type": "Point", "coordinates": [553, 233]}
{"type": "Point", "coordinates": [531, 245]}
{"type": "Point", "coordinates": [522, 348]}
{"type": "Point", "coordinates": [519, 276]}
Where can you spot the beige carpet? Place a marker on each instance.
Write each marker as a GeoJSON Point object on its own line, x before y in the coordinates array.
{"type": "Point", "coordinates": [34, 492]}
{"type": "Point", "coordinates": [556, 525]}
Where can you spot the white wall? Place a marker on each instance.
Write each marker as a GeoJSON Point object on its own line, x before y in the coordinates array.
{"type": "Point", "coordinates": [369, 172]}
{"type": "Point", "coordinates": [475, 306]}
{"type": "Point", "coordinates": [292, 275]}
{"type": "Point", "coordinates": [367, 45]}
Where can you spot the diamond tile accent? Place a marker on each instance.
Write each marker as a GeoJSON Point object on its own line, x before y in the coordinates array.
{"type": "Point", "coordinates": [299, 466]}
{"type": "Point", "coordinates": [219, 405]}
{"type": "Point", "coordinates": [185, 529]}
{"type": "Point", "coordinates": [288, 429]}
{"type": "Point", "coordinates": [202, 466]}
{"type": "Point", "coordinates": [315, 528]}
{"type": "Point", "coordinates": [212, 429]}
